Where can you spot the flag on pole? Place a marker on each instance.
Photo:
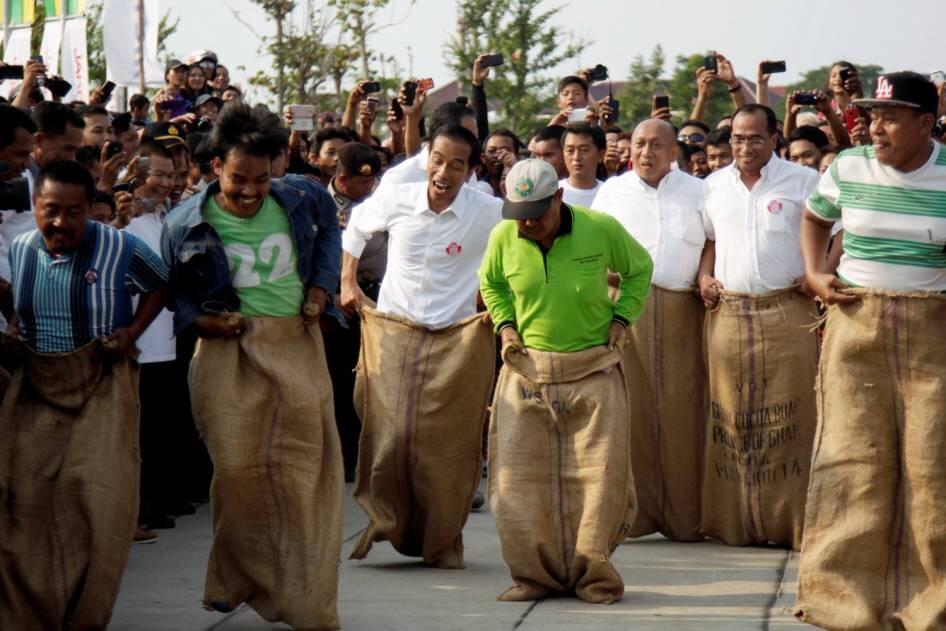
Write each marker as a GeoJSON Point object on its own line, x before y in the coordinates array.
{"type": "Point", "coordinates": [75, 59]}
{"type": "Point", "coordinates": [120, 34]}
{"type": "Point", "coordinates": [20, 11]}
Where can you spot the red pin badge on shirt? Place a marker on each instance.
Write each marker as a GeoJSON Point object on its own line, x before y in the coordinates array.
{"type": "Point", "coordinates": [775, 206]}
{"type": "Point", "coordinates": [454, 249]}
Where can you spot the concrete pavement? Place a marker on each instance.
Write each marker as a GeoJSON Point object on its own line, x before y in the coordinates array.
{"type": "Point", "coordinates": [670, 586]}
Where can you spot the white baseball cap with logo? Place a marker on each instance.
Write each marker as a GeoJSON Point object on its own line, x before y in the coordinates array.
{"type": "Point", "coordinates": [530, 187]}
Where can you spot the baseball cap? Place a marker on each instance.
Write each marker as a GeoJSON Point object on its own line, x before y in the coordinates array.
{"type": "Point", "coordinates": [906, 89]}
{"type": "Point", "coordinates": [174, 63]}
{"type": "Point", "coordinates": [200, 55]}
{"type": "Point", "coordinates": [204, 98]}
{"type": "Point", "coordinates": [169, 135]}
{"type": "Point", "coordinates": [530, 186]}
{"type": "Point", "coordinates": [358, 158]}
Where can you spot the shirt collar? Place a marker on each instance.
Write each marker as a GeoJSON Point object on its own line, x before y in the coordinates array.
{"type": "Point", "coordinates": [340, 200]}
{"type": "Point", "coordinates": [665, 181]}
{"type": "Point", "coordinates": [457, 206]}
{"type": "Point", "coordinates": [768, 169]}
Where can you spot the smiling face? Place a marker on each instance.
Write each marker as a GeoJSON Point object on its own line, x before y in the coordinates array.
{"type": "Point", "coordinates": [196, 79]}
{"type": "Point", "coordinates": [62, 213]}
{"type": "Point", "coordinates": [244, 182]}
{"type": "Point", "coordinates": [160, 179]}
{"type": "Point", "coordinates": [447, 170]}
{"type": "Point", "coordinates": [752, 143]}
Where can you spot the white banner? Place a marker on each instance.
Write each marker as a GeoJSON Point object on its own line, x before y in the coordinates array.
{"type": "Point", "coordinates": [122, 57]}
{"type": "Point", "coordinates": [52, 42]}
{"type": "Point", "coordinates": [75, 59]}
{"type": "Point", "coordinates": [16, 52]}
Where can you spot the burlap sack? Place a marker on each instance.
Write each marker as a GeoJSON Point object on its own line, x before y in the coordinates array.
{"type": "Point", "coordinates": [68, 488]}
{"type": "Point", "coordinates": [761, 361]}
{"type": "Point", "coordinates": [422, 397]}
{"type": "Point", "coordinates": [874, 551]}
{"type": "Point", "coordinates": [560, 480]}
{"type": "Point", "coordinates": [665, 376]}
{"type": "Point", "coordinates": [263, 404]}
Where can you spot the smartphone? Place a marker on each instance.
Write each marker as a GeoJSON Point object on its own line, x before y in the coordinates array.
{"type": "Point", "coordinates": [771, 67]}
{"type": "Point", "coordinates": [168, 105]}
{"type": "Point", "coordinates": [58, 87]}
{"type": "Point", "coordinates": [578, 115]}
{"type": "Point", "coordinates": [938, 78]}
{"type": "Point", "coordinates": [372, 105]}
{"type": "Point", "coordinates": [107, 90]}
{"type": "Point", "coordinates": [302, 116]}
{"type": "Point", "coordinates": [806, 98]}
{"type": "Point", "coordinates": [370, 87]}
{"type": "Point", "coordinates": [662, 100]}
{"type": "Point", "coordinates": [396, 108]}
{"type": "Point", "coordinates": [491, 61]}
{"type": "Point", "coordinates": [847, 73]}
{"type": "Point", "coordinates": [113, 149]}
{"type": "Point", "coordinates": [851, 117]}
{"type": "Point", "coordinates": [598, 73]}
{"type": "Point", "coordinates": [615, 106]}
{"type": "Point", "coordinates": [425, 84]}
{"type": "Point", "coordinates": [11, 72]}
{"type": "Point", "coordinates": [41, 79]}
{"type": "Point", "coordinates": [410, 91]}
{"type": "Point", "coordinates": [463, 100]}
{"type": "Point", "coordinates": [711, 63]}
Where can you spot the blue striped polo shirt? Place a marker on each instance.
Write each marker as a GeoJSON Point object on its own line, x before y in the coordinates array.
{"type": "Point", "coordinates": [64, 302]}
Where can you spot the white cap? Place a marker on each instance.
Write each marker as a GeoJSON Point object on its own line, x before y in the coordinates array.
{"type": "Point", "coordinates": [530, 186]}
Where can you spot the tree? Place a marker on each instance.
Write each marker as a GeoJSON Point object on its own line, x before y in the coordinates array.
{"type": "Point", "coordinates": [359, 20]}
{"type": "Point", "coordinates": [643, 82]}
{"type": "Point", "coordinates": [682, 89]}
{"type": "Point", "coordinates": [817, 78]}
{"type": "Point", "coordinates": [531, 44]}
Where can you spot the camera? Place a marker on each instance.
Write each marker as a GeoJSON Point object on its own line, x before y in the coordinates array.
{"type": "Point", "coordinates": [204, 125]}
{"type": "Point", "coordinates": [598, 73]}
{"type": "Point", "coordinates": [15, 194]}
{"type": "Point", "coordinates": [806, 98]}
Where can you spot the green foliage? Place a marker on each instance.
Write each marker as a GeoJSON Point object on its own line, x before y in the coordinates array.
{"type": "Point", "coordinates": [532, 45]}
{"type": "Point", "coordinates": [683, 92]}
{"type": "Point", "coordinates": [817, 78]}
{"type": "Point", "coordinates": [643, 82]}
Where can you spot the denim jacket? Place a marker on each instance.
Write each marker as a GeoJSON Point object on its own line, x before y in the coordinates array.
{"type": "Point", "coordinates": [200, 273]}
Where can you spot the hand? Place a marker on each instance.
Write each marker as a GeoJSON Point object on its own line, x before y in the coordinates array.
{"type": "Point", "coordinates": [605, 113]}
{"type": "Point", "coordinates": [314, 305]}
{"type": "Point", "coordinates": [480, 74]}
{"type": "Point", "coordinates": [826, 287]}
{"type": "Point", "coordinates": [509, 337]}
{"type": "Point", "coordinates": [32, 71]}
{"type": "Point", "coordinates": [617, 337]}
{"type": "Point", "coordinates": [591, 112]}
{"type": "Point", "coordinates": [853, 86]}
{"type": "Point", "coordinates": [124, 209]}
{"type": "Point", "coordinates": [709, 291]}
{"type": "Point", "coordinates": [121, 343]}
{"type": "Point", "coordinates": [803, 287]}
{"type": "Point", "coordinates": [662, 113]}
{"type": "Point", "coordinates": [367, 114]}
{"type": "Point", "coordinates": [860, 133]}
{"type": "Point", "coordinates": [97, 97]}
{"type": "Point", "coordinates": [762, 77]}
{"type": "Point", "coordinates": [790, 108]}
{"type": "Point", "coordinates": [358, 93]}
{"type": "Point", "coordinates": [612, 158]}
{"type": "Point", "coordinates": [395, 124]}
{"type": "Point", "coordinates": [219, 325]}
{"type": "Point", "coordinates": [823, 104]}
{"type": "Point", "coordinates": [353, 299]}
{"type": "Point", "coordinates": [110, 168]}
{"type": "Point", "coordinates": [704, 82]}
{"type": "Point", "coordinates": [725, 71]}
{"type": "Point", "coordinates": [287, 116]}
{"type": "Point", "coordinates": [417, 109]}
{"type": "Point", "coordinates": [561, 118]}
{"type": "Point", "coordinates": [161, 114]}
{"type": "Point", "coordinates": [185, 119]}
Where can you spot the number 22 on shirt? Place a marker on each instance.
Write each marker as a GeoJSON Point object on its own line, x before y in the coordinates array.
{"type": "Point", "coordinates": [274, 260]}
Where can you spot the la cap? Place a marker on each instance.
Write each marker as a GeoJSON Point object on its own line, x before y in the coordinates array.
{"type": "Point", "coordinates": [530, 186]}
{"type": "Point", "coordinates": [905, 89]}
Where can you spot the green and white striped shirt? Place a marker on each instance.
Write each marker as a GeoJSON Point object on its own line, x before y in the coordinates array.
{"type": "Point", "coordinates": [894, 223]}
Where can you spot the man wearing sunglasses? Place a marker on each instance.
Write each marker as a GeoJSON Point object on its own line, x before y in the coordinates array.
{"type": "Point", "coordinates": [693, 133]}
{"type": "Point", "coordinates": [762, 353]}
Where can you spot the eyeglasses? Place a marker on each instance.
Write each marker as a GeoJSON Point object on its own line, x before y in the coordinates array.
{"type": "Point", "coordinates": [691, 138]}
{"type": "Point", "coordinates": [752, 141]}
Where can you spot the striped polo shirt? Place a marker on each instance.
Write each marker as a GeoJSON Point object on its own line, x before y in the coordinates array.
{"type": "Point", "coordinates": [894, 222]}
{"type": "Point", "coordinates": [64, 302]}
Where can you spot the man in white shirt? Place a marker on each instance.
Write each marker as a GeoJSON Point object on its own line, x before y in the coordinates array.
{"type": "Point", "coordinates": [583, 146]}
{"type": "Point", "coordinates": [761, 350]}
{"type": "Point", "coordinates": [661, 208]}
{"type": "Point", "coordinates": [427, 360]}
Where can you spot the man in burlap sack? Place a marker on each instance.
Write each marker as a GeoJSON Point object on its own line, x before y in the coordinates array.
{"type": "Point", "coordinates": [560, 481]}
{"type": "Point", "coordinates": [252, 260]}
{"type": "Point", "coordinates": [761, 352]}
{"type": "Point", "coordinates": [427, 359]}
{"type": "Point", "coordinates": [872, 553]}
{"type": "Point", "coordinates": [660, 207]}
{"type": "Point", "coordinates": [69, 421]}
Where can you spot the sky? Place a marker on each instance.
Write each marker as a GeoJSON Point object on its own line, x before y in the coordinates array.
{"type": "Point", "coordinates": [907, 34]}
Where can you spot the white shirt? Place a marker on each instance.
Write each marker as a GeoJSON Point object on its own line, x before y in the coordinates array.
{"type": "Point", "coordinates": [432, 258]}
{"type": "Point", "coordinates": [666, 220]}
{"type": "Point", "coordinates": [757, 231]}
{"type": "Point", "coordinates": [157, 342]}
{"type": "Point", "coordinates": [583, 197]}
{"type": "Point", "coordinates": [414, 169]}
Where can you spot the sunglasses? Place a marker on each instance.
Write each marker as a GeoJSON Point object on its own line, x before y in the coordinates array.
{"type": "Point", "coordinates": [692, 138]}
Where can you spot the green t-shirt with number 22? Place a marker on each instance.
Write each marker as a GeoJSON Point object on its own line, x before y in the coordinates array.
{"type": "Point", "coordinates": [262, 259]}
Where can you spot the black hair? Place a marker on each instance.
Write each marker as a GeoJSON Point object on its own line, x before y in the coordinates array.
{"type": "Point", "coordinates": [450, 113]}
{"type": "Point", "coordinates": [355, 154]}
{"type": "Point", "coordinates": [94, 110]}
{"type": "Point", "coordinates": [507, 133]}
{"type": "Point", "coordinates": [812, 134]}
{"type": "Point", "coordinates": [771, 122]}
{"type": "Point", "coordinates": [331, 133]}
{"type": "Point", "coordinates": [51, 118]}
{"type": "Point", "coordinates": [11, 119]}
{"type": "Point", "coordinates": [569, 80]}
{"type": "Point", "coordinates": [695, 123]}
{"type": "Point", "coordinates": [552, 132]}
{"type": "Point", "coordinates": [719, 136]}
{"type": "Point", "coordinates": [88, 155]}
{"type": "Point", "coordinates": [460, 134]}
{"type": "Point", "coordinates": [254, 130]}
{"type": "Point", "coordinates": [584, 129]}
{"type": "Point", "coordinates": [67, 172]}
{"type": "Point", "coordinates": [151, 148]}
{"type": "Point", "coordinates": [101, 197]}
{"type": "Point", "coordinates": [843, 64]}
{"type": "Point", "coordinates": [613, 129]}
{"type": "Point", "coordinates": [138, 100]}
{"type": "Point", "coordinates": [691, 150]}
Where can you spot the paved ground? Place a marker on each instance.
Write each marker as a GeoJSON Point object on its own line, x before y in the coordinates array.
{"type": "Point", "coordinates": [670, 586]}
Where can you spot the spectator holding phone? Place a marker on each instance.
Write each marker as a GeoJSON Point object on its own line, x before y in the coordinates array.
{"type": "Point", "coordinates": [34, 72]}
{"type": "Point", "coordinates": [500, 153]}
{"type": "Point", "coordinates": [823, 105]}
{"type": "Point", "coordinates": [481, 67]}
{"type": "Point", "coordinates": [171, 101]}
{"type": "Point", "coordinates": [844, 85]}
{"type": "Point", "coordinates": [572, 100]}
{"type": "Point", "coordinates": [716, 68]}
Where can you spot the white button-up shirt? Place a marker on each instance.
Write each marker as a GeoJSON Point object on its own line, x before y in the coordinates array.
{"type": "Point", "coordinates": [666, 220]}
{"type": "Point", "coordinates": [432, 257]}
{"type": "Point", "coordinates": [757, 231]}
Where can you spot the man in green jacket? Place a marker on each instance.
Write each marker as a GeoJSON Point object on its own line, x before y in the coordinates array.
{"type": "Point", "coordinates": [560, 485]}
